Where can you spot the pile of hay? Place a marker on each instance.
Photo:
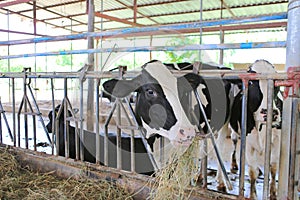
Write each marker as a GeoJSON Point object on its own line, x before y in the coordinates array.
{"type": "Point", "coordinates": [21, 183]}
{"type": "Point", "coordinates": [172, 181]}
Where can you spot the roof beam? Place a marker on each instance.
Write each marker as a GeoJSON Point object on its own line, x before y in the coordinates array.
{"type": "Point", "coordinates": [209, 29]}
{"type": "Point", "coordinates": [135, 10]}
{"type": "Point", "coordinates": [116, 19]}
{"type": "Point", "coordinates": [227, 8]}
{"type": "Point", "coordinates": [11, 3]}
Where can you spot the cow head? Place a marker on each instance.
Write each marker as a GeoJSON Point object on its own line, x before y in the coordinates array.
{"type": "Point", "coordinates": [61, 117]}
{"type": "Point", "coordinates": [262, 66]}
{"type": "Point", "coordinates": [158, 106]}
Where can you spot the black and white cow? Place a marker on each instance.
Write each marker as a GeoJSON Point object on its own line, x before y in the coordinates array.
{"type": "Point", "coordinates": [142, 160]}
{"type": "Point", "coordinates": [256, 128]}
{"type": "Point", "coordinates": [163, 103]}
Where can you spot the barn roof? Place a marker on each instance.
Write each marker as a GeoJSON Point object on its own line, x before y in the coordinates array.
{"type": "Point", "coordinates": [72, 15]}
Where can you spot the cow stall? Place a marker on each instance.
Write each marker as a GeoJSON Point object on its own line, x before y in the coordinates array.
{"type": "Point", "coordinates": [69, 152]}
{"type": "Point", "coordinates": [27, 105]}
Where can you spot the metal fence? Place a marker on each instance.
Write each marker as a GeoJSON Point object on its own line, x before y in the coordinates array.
{"type": "Point", "coordinates": [28, 107]}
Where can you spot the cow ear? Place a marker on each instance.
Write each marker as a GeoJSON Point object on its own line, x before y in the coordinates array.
{"type": "Point", "coordinates": [190, 81]}
{"type": "Point", "coordinates": [120, 88]}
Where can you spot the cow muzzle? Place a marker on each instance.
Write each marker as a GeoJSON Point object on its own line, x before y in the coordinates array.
{"type": "Point", "coordinates": [184, 137]}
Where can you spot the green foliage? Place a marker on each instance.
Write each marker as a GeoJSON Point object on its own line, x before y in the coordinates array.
{"type": "Point", "coordinates": [64, 60]}
{"type": "Point", "coordinates": [182, 56]}
{"type": "Point", "coordinates": [16, 67]}
{"type": "Point", "coordinates": [4, 67]}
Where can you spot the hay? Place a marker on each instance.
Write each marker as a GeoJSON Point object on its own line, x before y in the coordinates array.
{"type": "Point", "coordinates": [172, 181]}
{"type": "Point", "coordinates": [21, 183]}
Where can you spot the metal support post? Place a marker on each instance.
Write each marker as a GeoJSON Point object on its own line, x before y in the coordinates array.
{"type": "Point", "coordinates": [270, 94]}
{"type": "Point", "coordinates": [243, 139]}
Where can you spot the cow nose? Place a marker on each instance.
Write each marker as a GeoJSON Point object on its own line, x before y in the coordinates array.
{"type": "Point", "coordinates": [181, 131]}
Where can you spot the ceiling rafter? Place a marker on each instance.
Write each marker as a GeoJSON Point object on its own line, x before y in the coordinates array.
{"type": "Point", "coordinates": [227, 8]}
{"type": "Point", "coordinates": [56, 5]}
{"type": "Point", "coordinates": [177, 13]}
{"type": "Point", "coordinates": [135, 9]}
{"type": "Point", "coordinates": [11, 3]}
{"type": "Point", "coordinates": [116, 19]}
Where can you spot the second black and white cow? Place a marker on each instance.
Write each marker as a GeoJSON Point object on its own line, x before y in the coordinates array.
{"type": "Point", "coordinates": [256, 128]}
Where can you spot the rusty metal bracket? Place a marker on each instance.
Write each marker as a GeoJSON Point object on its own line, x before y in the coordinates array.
{"type": "Point", "coordinates": [293, 82]}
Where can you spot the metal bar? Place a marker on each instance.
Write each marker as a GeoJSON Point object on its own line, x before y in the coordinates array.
{"type": "Point", "coordinates": [82, 74]}
{"type": "Point", "coordinates": [66, 122]}
{"type": "Point", "coordinates": [116, 19]}
{"type": "Point", "coordinates": [14, 109]}
{"type": "Point", "coordinates": [53, 116]}
{"type": "Point", "coordinates": [132, 128]}
{"type": "Point", "coordinates": [147, 29]}
{"type": "Point", "coordinates": [243, 139]}
{"type": "Point", "coordinates": [34, 132]}
{"type": "Point", "coordinates": [90, 45]}
{"type": "Point", "coordinates": [77, 142]}
{"type": "Point", "coordinates": [211, 136]}
{"type": "Point", "coordinates": [247, 45]}
{"type": "Point", "coordinates": [39, 114]}
{"type": "Point", "coordinates": [1, 136]}
{"type": "Point", "coordinates": [162, 151]}
{"type": "Point", "coordinates": [19, 124]}
{"type": "Point", "coordinates": [106, 132]}
{"type": "Point", "coordinates": [293, 30]}
{"type": "Point", "coordinates": [119, 148]}
{"type": "Point", "coordinates": [2, 111]}
{"type": "Point", "coordinates": [57, 131]}
{"type": "Point", "coordinates": [270, 94]}
{"type": "Point", "coordinates": [285, 189]}
{"type": "Point", "coordinates": [142, 134]}
{"type": "Point", "coordinates": [13, 3]}
{"type": "Point", "coordinates": [25, 108]}
{"type": "Point", "coordinates": [207, 74]}
{"type": "Point", "coordinates": [68, 118]}
{"type": "Point", "coordinates": [292, 158]}
{"type": "Point", "coordinates": [97, 122]}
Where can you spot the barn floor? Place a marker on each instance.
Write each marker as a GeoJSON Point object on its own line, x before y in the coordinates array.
{"type": "Point", "coordinates": [212, 164]}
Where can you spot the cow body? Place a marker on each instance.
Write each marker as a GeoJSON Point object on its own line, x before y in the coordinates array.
{"type": "Point", "coordinates": [163, 103]}
{"type": "Point", "coordinates": [256, 128]}
{"type": "Point", "coordinates": [143, 163]}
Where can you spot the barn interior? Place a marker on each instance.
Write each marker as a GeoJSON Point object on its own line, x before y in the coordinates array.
{"type": "Point", "coordinates": [61, 51]}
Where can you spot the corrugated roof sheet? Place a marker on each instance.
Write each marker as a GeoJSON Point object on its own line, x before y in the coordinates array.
{"type": "Point", "coordinates": [149, 12]}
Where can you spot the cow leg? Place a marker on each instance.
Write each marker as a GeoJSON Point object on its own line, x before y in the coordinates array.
{"type": "Point", "coordinates": [220, 143]}
{"type": "Point", "coordinates": [253, 173]}
{"type": "Point", "coordinates": [251, 158]}
{"type": "Point", "coordinates": [234, 166]}
{"type": "Point", "coordinates": [273, 170]}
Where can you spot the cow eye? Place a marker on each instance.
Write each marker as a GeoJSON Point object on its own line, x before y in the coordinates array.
{"type": "Point", "coordinates": [151, 92]}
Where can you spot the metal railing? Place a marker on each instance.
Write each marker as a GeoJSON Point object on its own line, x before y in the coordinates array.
{"type": "Point", "coordinates": [278, 79]}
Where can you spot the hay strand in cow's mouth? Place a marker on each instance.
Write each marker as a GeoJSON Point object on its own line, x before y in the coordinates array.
{"type": "Point", "coordinates": [172, 180]}
{"type": "Point", "coordinates": [17, 182]}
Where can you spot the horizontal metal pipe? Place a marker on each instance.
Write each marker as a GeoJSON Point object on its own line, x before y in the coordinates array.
{"type": "Point", "coordinates": [148, 29]}
{"type": "Point", "coordinates": [248, 45]}
{"type": "Point", "coordinates": [225, 74]}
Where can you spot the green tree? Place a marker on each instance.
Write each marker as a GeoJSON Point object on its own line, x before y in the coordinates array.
{"type": "Point", "coordinates": [182, 56]}
{"type": "Point", "coordinates": [64, 60]}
